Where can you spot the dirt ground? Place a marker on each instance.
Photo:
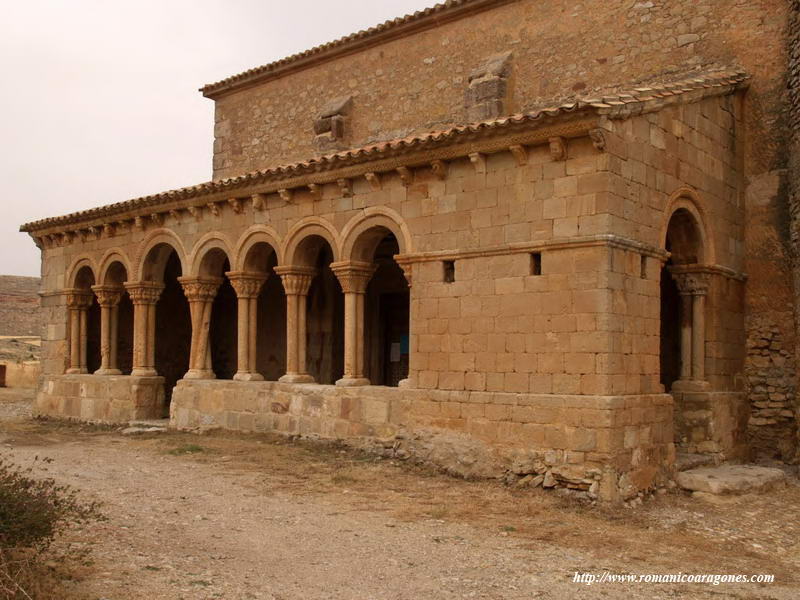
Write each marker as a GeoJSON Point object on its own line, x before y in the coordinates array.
{"type": "Point", "coordinates": [257, 517]}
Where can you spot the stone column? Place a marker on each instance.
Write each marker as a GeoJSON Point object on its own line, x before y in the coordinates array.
{"type": "Point", "coordinates": [296, 283]}
{"type": "Point", "coordinates": [693, 287]}
{"type": "Point", "coordinates": [108, 297]}
{"type": "Point", "coordinates": [78, 303]}
{"type": "Point", "coordinates": [247, 287]}
{"type": "Point", "coordinates": [408, 270]}
{"type": "Point", "coordinates": [353, 277]}
{"type": "Point", "coordinates": [144, 297]}
{"type": "Point", "coordinates": [200, 292]}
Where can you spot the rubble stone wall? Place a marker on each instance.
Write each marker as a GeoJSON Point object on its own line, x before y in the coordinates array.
{"type": "Point", "coordinates": [19, 306]}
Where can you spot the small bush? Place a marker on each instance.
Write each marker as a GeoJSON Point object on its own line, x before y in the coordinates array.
{"type": "Point", "coordinates": [33, 512]}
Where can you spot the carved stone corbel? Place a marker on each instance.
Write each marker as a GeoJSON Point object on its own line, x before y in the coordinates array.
{"type": "Point", "coordinates": [439, 168]}
{"type": "Point", "coordinates": [316, 191]}
{"type": "Point", "coordinates": [598, 138]}
{"type": "Point", "coordinates": [345, 187]}
{"type": "Point", "coordinates": [157, 219]}
{"type": "Point", "coordinates": [558, 148]}
{"type": "Point", "coordinates": [286, 195]}
{"type": "Point", "coordinates": [235, 204]}
{"type": "Point", "coordinates": [374, 180]}
{"type": "Point", "coordinates": [259, 201]}
{"type": "Point", "coordinates": [109, 230]}
{"type": "Point", "coordinates": [195, 211]}
{"type": "Point", "coordinates": [175, 213]}
{"type": "Point", "coordinates": [406, 176]}
{"type": "Point", "coordinates": [214, 208]}
{"type": "Point", "coordinates": [478, 161]}
{"type": "Point", "coordinates": [520, 154]}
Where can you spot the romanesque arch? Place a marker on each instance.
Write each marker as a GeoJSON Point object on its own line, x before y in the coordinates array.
{"type": "Point", "coordinates": [261, 306]}
{"type": "Point", "coordinates": [83, 337]}
{"type": "Point", "coordinates": [295, 244]}
{"type": "Point", "coordinates": [116, 330]}
{"type": "Point", "coordinates": [154, 252]}
{"type": "Point", "coordinates": [378, 311]}
{"type": "Point", "coordinates": [684, 286]}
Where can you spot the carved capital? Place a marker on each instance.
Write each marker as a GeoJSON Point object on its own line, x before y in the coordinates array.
{"type": "Point", "coordinates": [246, 285]}
{"type": "Point", "coordinates": [353, 276]}
{"type": "Point", "coordinates": [146, 292]}
{"type": "Point", "coordinates": [690, 283]}
{"type": "Point", "coordinates": [79, 299]}
{"type": "Point", "coordinates": [296, 280]}
{"type": "Point", "coordinates": [200, 289]}
{"type": "Point", "coordinates": [108, 295]}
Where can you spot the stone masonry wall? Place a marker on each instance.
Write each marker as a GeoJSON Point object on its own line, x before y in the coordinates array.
{"type": "Point", "coordinates": [607, 447]}
{"type": "Point", "coordinates": [19, 306]}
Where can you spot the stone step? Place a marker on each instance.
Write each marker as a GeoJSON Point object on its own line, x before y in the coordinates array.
{"type": "Point", "coordinates": [686, 460]}
{"type": "Point", "coordinates": [730, 480]}
{"type": "Point", "coordinates": [149, 426]}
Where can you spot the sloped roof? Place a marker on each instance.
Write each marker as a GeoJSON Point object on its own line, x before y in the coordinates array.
{"type": "Point", "coordinates": [621, 104]}
{"type": "Point", "coordinates": [394, 28]}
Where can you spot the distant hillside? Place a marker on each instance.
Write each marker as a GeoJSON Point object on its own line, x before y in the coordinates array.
{"type": "Point", "coordinates": [19, 306]}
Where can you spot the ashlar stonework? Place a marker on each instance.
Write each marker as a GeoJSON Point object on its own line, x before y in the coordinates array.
{"type": "Point", "coordinates": [514, 254]}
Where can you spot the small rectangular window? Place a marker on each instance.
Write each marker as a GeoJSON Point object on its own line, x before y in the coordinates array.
{"type": "Point", "coordinates": [449, 271]}
{"type": "Point", "coordinates": [643, 267]}
{"type": "Point", "coordinates": [536, 263]}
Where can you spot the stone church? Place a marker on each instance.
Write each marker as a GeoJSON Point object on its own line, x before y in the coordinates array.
{"type": "Point", "coordinates": [561, 233]}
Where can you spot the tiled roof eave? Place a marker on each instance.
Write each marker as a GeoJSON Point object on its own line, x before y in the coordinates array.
{"type": "Point", "coordinates": [412, 152]}
{"type": "Point", "coordinates": [447, 144]}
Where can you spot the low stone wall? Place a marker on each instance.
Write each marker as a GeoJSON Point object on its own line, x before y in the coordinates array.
{"type": "Point", "coordinates": [610, 447]}
{"type": "Point", "coordinates": [96, 399]}
{"type": "Point", "coordinates": [713, 423]}
{"type": "Point", "coordinates": [23, 374]}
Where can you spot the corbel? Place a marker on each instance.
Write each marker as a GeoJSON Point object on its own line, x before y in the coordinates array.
{"type": "Point", "coordinates": [195, 211]}
{"type": "Point", "coordinates": [406, 176]}
{"type": "Point", "coordinates": [520, 154]}
{"type": "Point", "coordinates": [157, 219]}
{"type": "Point", "coordinates": [374, 180]}
{"type": "Point", "coordinates": [316, 191]}
{"type": "Point", "coordinates": [286, 195]}
{"type": "Point", "coordinates": [558, 148]}
{"type": "Point", "coordinates": [345, 187]}
{"type": "Point", "coordinates": [175, 213]}
{"type": "Point", "coordinates": [235, 204]}
{"type": "Point", "coordinates": [259, 201]}
{"type": "Point", "coordinates": [439, 168]}
{"type": "Point", "coordinates": [478, 161]}
{"type": "Point", "coordinates": [68, 236]}
{"type": "Point", "coordinates": [214, 208]}
{"type": "Point", "coordinates": [109, 229]}
{"type": "Point", "coordinates": [598, 139]}
{"type": "Point", "coordinates": [92, 232]}
{"type": "Point", "coordinates": [138, 223]}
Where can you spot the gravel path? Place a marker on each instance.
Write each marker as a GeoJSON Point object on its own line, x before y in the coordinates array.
{"type": "Point", "coordinates": [239, 518]}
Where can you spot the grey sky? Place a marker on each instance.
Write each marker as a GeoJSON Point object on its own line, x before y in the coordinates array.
{"type": "Point", "coordinates": [99, 99]}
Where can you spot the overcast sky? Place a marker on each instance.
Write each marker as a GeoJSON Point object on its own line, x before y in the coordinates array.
{"type": "Point", "coordinates": [99, 99]}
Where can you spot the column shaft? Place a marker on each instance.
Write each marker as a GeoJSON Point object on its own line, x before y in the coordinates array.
{"type": "Point", "coordinates": [686, 336]}
{"type": "Point", "coordinates": [200, 292]}
{"type": "Point", "coordinates": [74, 341]}
{"type": "Point", "coordinates": [699, 337]}
{"type": "Point", "coordinates": [296, 282]}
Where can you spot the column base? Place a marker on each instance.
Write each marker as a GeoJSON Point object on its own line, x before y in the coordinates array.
{"type": "Point", "coordinates": [690, 385]}
{"type": "Point", "coordinates": [107, 372]}
{"type": "Point", "coordinates": [405, 383]}
{"type": "Point", "coordinates": [352, 382]}
{"type": "Point", "coordinates": [77, 372]}
{"type": "Point", "coordinates": [143, 372]}
{"type": "Point", "coordinates": [248, 377]}
{"type": "Point", "coordinates": [199, 374]}
{"type": "Point", "coordinates": [297, 378]}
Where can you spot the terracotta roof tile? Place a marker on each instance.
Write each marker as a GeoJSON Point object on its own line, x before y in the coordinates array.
{"type": "Point", "coordinates": [619, 105]}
